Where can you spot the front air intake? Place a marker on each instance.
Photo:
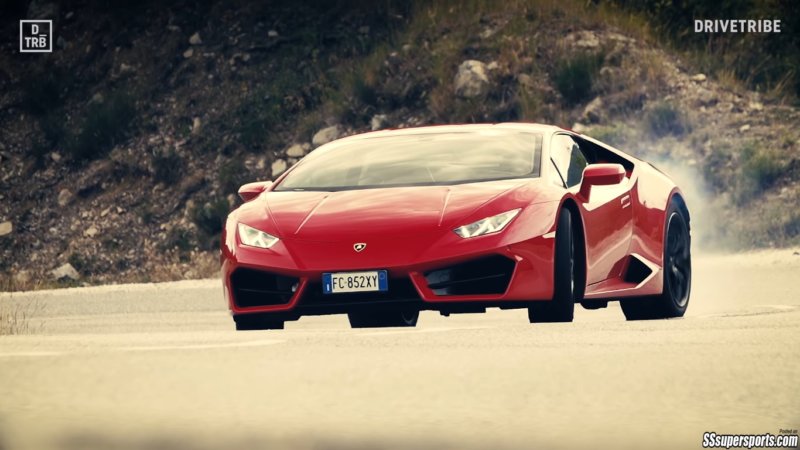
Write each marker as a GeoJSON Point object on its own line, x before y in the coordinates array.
{"type": "Point", "coordinates": [484, 276]}
{"type": "Point", "coordinates": [256, 288]}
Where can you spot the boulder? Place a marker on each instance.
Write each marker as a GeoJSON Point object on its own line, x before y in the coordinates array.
{"type": "Point", "coordinates": [66, 271]}
{"type": "Point", "coordinates": [6, 228]}
{"type": "Point", "coordinates": [378, 122]}
{"type": "Point", "coordinates": [326, 135]}
{"type": "Point", "coordinates": [296, 151]}
{"type": "Point", "coordinates": [195, 39]}
{"type": "Point", "coordinates": [278, 167]}
{"type": "Point", "coordinates": [65, 197]}
{"type": "Point", "coordinates": [471, 79]}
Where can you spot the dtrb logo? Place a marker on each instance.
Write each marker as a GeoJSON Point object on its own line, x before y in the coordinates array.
{"type": "Point", "coordinates": [35, 36]}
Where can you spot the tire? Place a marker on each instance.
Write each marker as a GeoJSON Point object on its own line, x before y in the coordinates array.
{"type": "Point", "coordinates": [565, 279]}
{"type": "Point", "coordinates": [252, 322]}
{"type": "Point", "coordinates": [674, 298]}
{"type": "Point", "coordinates": [383, 318]}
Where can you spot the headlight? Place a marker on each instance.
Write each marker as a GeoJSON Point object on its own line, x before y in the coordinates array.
{"type": "Point", "coordinates": [488, 225]}
{"type": "Point", "coordinates": [255, 238]}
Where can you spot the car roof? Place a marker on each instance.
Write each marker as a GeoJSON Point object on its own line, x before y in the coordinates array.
{"type": "Point", "coordinates": [461, 128]}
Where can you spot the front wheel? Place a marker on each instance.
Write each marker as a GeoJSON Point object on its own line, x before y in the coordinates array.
{"type": "Point", "coordinates": [677, 275]}
{"type": "Point", "coordinates": [380, 319]}
{"type": "Point", "coordinates": [562, 307]}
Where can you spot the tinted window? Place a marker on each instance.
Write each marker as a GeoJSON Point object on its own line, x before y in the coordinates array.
{"type": "Point", "coordinates": [568, 159]}
{"type": "Point", "coordinates": [420, 159]}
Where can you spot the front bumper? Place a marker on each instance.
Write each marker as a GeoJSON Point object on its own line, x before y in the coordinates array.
{"type": "Point", "coordinates": [507, 275]}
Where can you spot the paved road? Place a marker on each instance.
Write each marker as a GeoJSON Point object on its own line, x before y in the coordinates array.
{"type": "Point", "coordinates": [159, 366]}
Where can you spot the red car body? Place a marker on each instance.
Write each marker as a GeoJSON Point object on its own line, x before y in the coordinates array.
{"type": "Point", "coordinates": [408, 231]}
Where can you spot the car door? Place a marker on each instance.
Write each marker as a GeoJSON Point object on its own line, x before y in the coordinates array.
{"type": "Point", "coordinates": [607, 216]}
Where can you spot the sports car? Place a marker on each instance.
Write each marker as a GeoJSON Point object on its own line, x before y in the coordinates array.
{"type": "Point", "coordinates": [457, 219]}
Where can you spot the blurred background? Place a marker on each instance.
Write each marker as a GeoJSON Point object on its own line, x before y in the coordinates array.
{"type": "Point", "coordinates": [121, 151]}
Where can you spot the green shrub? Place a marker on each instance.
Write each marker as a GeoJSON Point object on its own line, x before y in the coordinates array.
{"type": "Point", "coordinates": [210, 217]}
{"type": "Point", "coordinates": [665, 119]}
{"type": "Point", "coordinates": [574, 77]}
{"type": "Point", "coordinates": [179, 238]}
{"type": "Point", "coordinates": [759, 169]}
{"type": "Point", "coordinates": [167, 166]}
{"type": "Point", "coordinates": [232, 175]}
{"type": "Point", "coordinates": [41, 94]}
{"type": "Point", "coordinates": [105, 124]}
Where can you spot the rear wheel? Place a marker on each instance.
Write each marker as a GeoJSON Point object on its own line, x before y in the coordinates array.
{"type": "Point", "coordinates": [677, 275]}
{"type": "Point", "coordinates": [250, 322]}
{"type": "Point", "coordinates": [562, 307]}
{"type": "Point", "coordinates": [383, 318]}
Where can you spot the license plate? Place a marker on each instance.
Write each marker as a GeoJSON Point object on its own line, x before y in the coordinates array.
{"type": "Point", "coordinates": [339, 282]}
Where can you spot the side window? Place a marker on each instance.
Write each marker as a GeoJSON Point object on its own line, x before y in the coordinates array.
{"type": "Point", "coordinates": [568, 159]}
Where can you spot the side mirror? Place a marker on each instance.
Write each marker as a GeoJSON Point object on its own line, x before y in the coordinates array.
{"type": "Point", "coordinates": [250, 191]}
{"type": "Point", "coordinates": [600, 175]}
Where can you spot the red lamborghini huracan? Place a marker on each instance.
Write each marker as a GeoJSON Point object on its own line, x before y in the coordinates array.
{"type": "Point", "coordinates": [456, 219]}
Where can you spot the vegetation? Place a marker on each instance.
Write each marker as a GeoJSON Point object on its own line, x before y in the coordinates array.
{"type": "Point", "coordinates": [106, 124]}
{"type": "Point", "coordinates": [665, 119]}
{"type": "Point", "coordinates": [574, 77]}
{"type": "Point", "coordinates": [760, 60]}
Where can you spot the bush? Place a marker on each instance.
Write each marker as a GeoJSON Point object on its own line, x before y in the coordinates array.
{"type": "Point", "coordinates": [210, 217]}
{"type": "Point", "coordinates": [167, 166]}
{"type": "Point", "coordinates": [759, 169]}
{"type": "Point", "coordinates": [231, 176]}
{"type": "Point", "coordinates": [574, 77]}
{"type": "Point", "coordinates": [105, 124]}
{"type": "Point", "coordinates": [179, 238]}
{"type": "Point", "coordinates": [665, 119]}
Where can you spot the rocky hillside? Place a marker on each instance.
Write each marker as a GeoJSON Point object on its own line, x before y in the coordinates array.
{"type": "Point", "coordinates": [121, 151]}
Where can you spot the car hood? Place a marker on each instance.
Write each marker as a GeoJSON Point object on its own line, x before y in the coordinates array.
{"type": "Point", "coordinates": [345, 215]}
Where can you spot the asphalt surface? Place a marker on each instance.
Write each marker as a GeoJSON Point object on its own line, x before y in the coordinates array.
{"type": "Point", "coordinates": [159, 366]}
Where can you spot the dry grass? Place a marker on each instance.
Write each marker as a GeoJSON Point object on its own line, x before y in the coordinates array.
{"type": "Point", "coordinates": [17, 317]}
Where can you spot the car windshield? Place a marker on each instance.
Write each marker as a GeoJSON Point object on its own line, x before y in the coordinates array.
{"type": "Point", "coordinates": [419, 160]}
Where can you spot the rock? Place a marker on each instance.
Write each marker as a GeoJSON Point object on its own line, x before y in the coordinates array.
{"type": "Point", "coordinates": [587, 40]}
{"type": "Point", "coordinates": [91, 232]}
{"type": "Point", "coordinates": [195, 39]}
{"type": "Point", "coordinates": [126, 68]}
{"type": "Point", "coordinates": [188, 53]}
{"type": "Point", "coordinates": [593, 113]}
{"type": "Point", "coordinates": [493, 65]}
{"type": "Point", "coordinates": [378, 122]}
{"type": "Point", "coordinates": [471, 80]}
{"type": "Point", "coordinates": [65, 197]}
{"type": "Point", "coordinates": [756, 106]}
{"type": "Point", "coordinates": [196, 125]}
{"type": "Point", "coordinates": [744, 128]}
{"type": "Point", "coordinates": [326, 135]}
{"type": "Point", "coordinates": [97, 98]}
{"type": "Point", "coordinates": [296, 151]}
{"type": "Point", "coordinates": [278, 167]}
{"type": "Point", "coordinates": [272, 34]}
{"type": "Point", "coordinates": [699, 78]}
{"type": "Point", "coordinates": [66, 271]}
{"type": "Point", "coordinates": [55, 156]}
{"type": "Point", "coordinates": [6, 228]}
{"type": "Point", "coordinates": [579, 127]}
